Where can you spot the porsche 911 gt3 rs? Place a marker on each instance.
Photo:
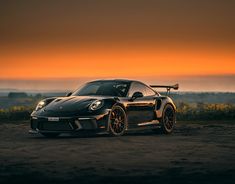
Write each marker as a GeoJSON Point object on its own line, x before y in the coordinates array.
{"type": "Point", "coordinates": [112, 106]}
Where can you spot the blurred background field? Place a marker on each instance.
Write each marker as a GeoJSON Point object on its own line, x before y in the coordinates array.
{"type": "Point", "coordinates": [190, 105]}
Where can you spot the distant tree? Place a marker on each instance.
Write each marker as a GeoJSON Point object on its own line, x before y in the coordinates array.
{"type": "Point", "coordinates": [17, 95]}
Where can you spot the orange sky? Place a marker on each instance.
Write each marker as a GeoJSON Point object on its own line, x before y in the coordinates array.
{"type": "Point", "coordinates": [120, 39]}
{"type": "Point", "coordinates": [115, 62]}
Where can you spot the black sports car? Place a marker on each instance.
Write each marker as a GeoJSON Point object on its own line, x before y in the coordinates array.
{"type": "Point", "coordinates": [112, 106]}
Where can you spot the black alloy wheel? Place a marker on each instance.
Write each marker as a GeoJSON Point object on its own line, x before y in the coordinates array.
{"type": "Point", "coordinates": [168, 119]}
{"type": "Point", "coordinates": [117, 121]}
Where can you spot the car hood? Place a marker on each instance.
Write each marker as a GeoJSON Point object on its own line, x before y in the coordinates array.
{"type": "Point", "coordinates": [69, 103]}
{"type": "Point", "coordinates": [72, 106]}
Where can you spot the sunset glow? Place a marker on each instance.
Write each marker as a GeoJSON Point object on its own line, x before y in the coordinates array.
{"type": "Point", "coordinates": [117, 39]}
{"type": "Point", "coordinates": [115, 62]}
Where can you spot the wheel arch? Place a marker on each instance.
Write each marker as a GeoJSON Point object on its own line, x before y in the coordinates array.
{"type": "Point", "coordinates": [164, 101]}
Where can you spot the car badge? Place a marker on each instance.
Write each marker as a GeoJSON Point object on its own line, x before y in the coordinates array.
{"type": "Point", "coordinates": [60, 107]}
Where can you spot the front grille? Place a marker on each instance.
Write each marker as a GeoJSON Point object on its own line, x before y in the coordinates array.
{"type": "Point", "coordinates": [55, 126]}
{"type": "Point", "coordinates": [88, 124]}
{"type": "Point", "coordinates": [63, 124]}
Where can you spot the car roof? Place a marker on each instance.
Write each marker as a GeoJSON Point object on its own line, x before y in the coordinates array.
{"type": "Point", "coordinates": [115, 80]}
{"type": "Point", "coordinates": [122, 80]}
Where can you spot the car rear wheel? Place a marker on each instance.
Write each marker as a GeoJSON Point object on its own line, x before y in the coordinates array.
{"type": "Point", "coordinates": [168, 119]}
{"type": "Point", "coordinates": [51, 135]}
{"type": "Point", "coordinates": [117, 121]}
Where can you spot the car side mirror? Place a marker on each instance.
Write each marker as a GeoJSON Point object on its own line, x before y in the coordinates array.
{"type": "Point", "coordinates": [136, 95]}
{"type": "Point", "coordinates": [69, 94]}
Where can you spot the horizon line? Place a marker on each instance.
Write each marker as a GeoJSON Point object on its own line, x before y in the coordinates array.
{"type": "Point", "coordinates": [124, 77]}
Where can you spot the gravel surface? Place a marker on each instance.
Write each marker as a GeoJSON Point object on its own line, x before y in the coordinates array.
{"type": "Point", "coordinates": [196, 152]}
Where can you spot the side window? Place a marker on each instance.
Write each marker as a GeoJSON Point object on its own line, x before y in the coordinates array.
{"type": "Point", "coordinates": [141, 88]}
{"type": "Point", "coordinates": [149, 92]}
{"type": "Point", "coordinates": [134, 88]}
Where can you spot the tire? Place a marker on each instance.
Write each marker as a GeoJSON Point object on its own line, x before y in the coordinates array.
{"type": "Point", "coordinates": [117, 121]}
{"type": "Point", "coordinates": [168, 119]}
{"type": "Point", "coordinates": [50, 135]}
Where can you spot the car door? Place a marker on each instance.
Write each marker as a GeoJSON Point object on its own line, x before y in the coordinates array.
{"type": "Point", "coordinates": [140, 109]}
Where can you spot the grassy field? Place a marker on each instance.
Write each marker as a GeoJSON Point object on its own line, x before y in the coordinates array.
{"type": "Point", "coordinates": [190, 106]}
{"type": "Point", "coordinates": [185, 111]}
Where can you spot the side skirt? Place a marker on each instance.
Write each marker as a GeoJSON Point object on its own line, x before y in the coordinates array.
{"type": "Point", "coordinates": [153, 122]}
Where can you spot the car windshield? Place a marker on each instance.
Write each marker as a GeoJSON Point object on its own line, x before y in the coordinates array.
{"type": "Point", "coordinates": [103, 88]}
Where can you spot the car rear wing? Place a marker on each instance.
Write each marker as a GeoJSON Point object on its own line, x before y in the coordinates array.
{"type": "Point", "coordinates": [168, 88]}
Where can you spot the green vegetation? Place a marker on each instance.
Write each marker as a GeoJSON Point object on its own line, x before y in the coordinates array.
{"type": "Point", "coordinates": [201, 111]}
{"type": "Point", "coordinates": [16, 113]}
{"type": "Point", "coordinates": [185, 111]}
{"type": "Point", "coordinates": [190, 106]}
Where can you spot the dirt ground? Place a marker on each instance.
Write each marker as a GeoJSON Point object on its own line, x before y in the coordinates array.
{"type": "Point", "coordinates": [197, 152]}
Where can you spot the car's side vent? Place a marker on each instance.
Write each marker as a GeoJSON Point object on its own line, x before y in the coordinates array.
{"type": "Point", "coordinates": [159, 103]}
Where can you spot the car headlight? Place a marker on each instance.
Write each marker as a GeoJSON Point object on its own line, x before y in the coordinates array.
{"type": "Point", "coordinates": [40, 105]}
{"type": "Point", "coordinates": [96, 105]}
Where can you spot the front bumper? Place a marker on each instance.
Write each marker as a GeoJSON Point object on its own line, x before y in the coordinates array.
{"type": "Point", "coordinates": [69, 124]}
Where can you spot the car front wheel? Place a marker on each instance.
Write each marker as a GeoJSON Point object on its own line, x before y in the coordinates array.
{"type": "Point", "coordinates": [117, 121]}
